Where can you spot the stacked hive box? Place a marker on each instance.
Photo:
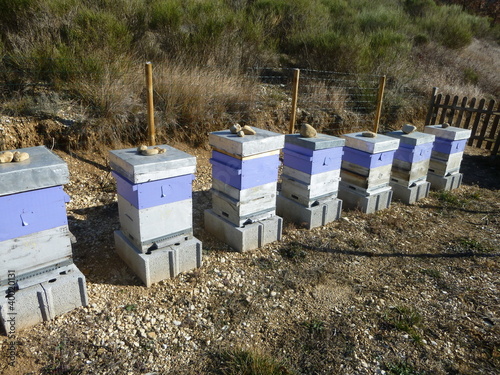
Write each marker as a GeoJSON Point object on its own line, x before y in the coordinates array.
{"type": "Point", "coordinates": [409, 169]}
{"type": "Point", "coordinates": [244, 179]}
{"type": "Point", "coordinates": [310, 180]}
{"type": "Point", "coordinates": [447, 152]}
{"type": "Point", "coordinates": [36, 265]}
{"type": "Point", "coordinates": [156, 214]}
{"type": "Point", "coordinates": [366, 171]}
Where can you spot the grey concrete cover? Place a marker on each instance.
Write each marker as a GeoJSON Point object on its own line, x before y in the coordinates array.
{"type": "Point", "coordinates": [43, 169]}
{"type": "Point", "coordinates": [380, 143]}
{"type": "Point", "coordinates": [322, 141]}
{"type": "Point", "coordinates": [139, 168]}
{"type": "Point", "coordinates": [263, 141]}
{"type": "Point", "coordinates": [413, 139]}
{"type": "Point", "coordinates": [452, 133]}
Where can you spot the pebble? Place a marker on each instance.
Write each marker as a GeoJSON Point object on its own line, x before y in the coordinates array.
{"type": "Point", "coordinates": [176, 323]}
{"type": "Point", "coordinates": [408, 128]}
{"type": "Point", "coordinates": [241, 133]}
{"type": "Point", "coordinates": [6, 157]}
{"type": "Point", "coordinates": [445, 125]}
{"type": "Point", "coordinates": [369, 134]}
{"type": "Point", "coordinates": [248, 130]}
{"type": "Point", "coordinates": [235, 128]}
{"type": "Point", "coordinates": [307, 131]}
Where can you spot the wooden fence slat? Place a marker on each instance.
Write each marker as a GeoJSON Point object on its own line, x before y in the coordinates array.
{"type": "Point", "coordinates": [436, 109]}
{"type": "Point", "coordinates": [496, 149]}
{"type": "Point", "coordinates": [443, 111]}
{"type": "Point", "coordinates": [485, 123]}
{"type": "Point", "coordinates": [452, 110]}
{"type": "Point", "coordinates": [432, 102]}
{"type": "Point", "coordinates": [468, 114]}
{"type": "Point", "coordinates": [494, 129]}
{"type": "Point", "coordinates": [461, 112]}
{"type": "Point", "coordinates": [476, 122]}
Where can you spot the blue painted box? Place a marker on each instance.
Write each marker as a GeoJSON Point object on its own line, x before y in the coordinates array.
{"type": "Point", "coordinates": [413, 154]}
{"type": "Point", "coordinates": [244, 173]}
{"type": "Point", "coordinates": [366, 159]}
{"type": "Point", "coordinates": [447, 146]}
{"type": "Point", "coordinates": [312, 161]}
{"type": "Point", "coordinates": [32, 211]}
{"type": "Point", "coordinates": [155, 193]}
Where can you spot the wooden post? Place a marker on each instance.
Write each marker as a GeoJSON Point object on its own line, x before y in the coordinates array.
{"type": "Point", "coordinates": [295, 94]}
{"type": "Point", "coordinates": [380, 98]}
{"type": "Point", "coordinates": [430, 111]}
{"type": "Point", "coordinates": [151, 111]}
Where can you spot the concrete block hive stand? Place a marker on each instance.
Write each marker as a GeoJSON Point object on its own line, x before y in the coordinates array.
{"type": "Point", "coordinates": [38, 280]}
{"type": "Point", "coordinates": [446, 158]}
{"type": "Point", "coordinates": [310, 180]}
{"type": "Point", "coordinates": [156, 213]}
{"type": "Point", "coordinates": [244, 182]}
{"type": "Point", "coordinates": [409, 169]}
{"type": "Point", "coordinates": [366, 172]}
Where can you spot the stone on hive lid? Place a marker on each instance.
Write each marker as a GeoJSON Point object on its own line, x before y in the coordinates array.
{"type": "Point", "coordinates": [320, 142]}
{"type": "Point", "coordinates": [263, 141]}
{"type": "Point", "coordinates": [43, 169]}
{"type": "Point", "coordinates": [412, 139]}
{"type": "Point", "coordinates": [139, 169]}
{"type": "Point", "coordinates": [451, 133]}
{"type": "Point", "coordinates": [381, 143]}
{"type": "Point", "coordinates": [408, 128]}
{"type": "Point", "coordinates": [307, 131]}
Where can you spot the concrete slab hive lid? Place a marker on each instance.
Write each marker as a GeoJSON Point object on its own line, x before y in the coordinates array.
{"type": "Point", "coordinates": [263, 141]}
{"type": "Point", "coordinates": [139, 168]}
{"type": "Point", "coordinates": [43, 169]}
{"type": "Point", "coordinates": [452, 133]}
{"type": "Point", "coordinates": [412, 139]}
{"type": "Point", "coordinates": [380, 143]}
{"type": "Point", "coordinates": [320, 142]}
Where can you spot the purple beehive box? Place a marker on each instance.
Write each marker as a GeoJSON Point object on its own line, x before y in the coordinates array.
{"type": "Point", "coordinates": [447, 146]}
{"type": "Point", "coordinates": [32, 211]}
{"type": "Point", "coordinates": [312, 161]}
{"type": "Point", "coordinates": [155, 193]}
{"type": "Point", "coordinates": [413, 154]}
{"type": "Point", "coordinates": [366, 159]}
{"type": "Point", "coordinates": [244, 173]}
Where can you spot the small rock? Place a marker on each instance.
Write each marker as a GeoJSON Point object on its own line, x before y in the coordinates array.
{"type": "Point", "coordinates": [150, 151]}
{"type": "Point", "coordinates": [6, 157]}
{"type": "Point", "coordinates": [248, 130]}
{"type": "Point", "coordinates": [176, 323]}
{"type": "Point", "coordinates": [307, 131]}
{"type": "Point", "coordinates": [160, 150]}
{"type": "Point", "coordinates": [369, 134]}
{"type": "Point", "coordinates": [20, 156]}
{"type": "Point", "coordinates": [235, 128]}
{"type": "Point", "coordinates": [142, 148]}
{"type": "Point", "coordinates": [151, 335]}
{"type": "Point", "coordinates": [241, 133]}
{"type": "Point", "coordinates": [445, 125]}
{"type": "Point", "coordinates": [408, 128]}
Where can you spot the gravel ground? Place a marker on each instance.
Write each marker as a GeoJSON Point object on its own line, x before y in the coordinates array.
{"type": "Point", "coordinates": [412, 289]}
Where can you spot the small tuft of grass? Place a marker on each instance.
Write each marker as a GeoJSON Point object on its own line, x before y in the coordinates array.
{"type": "Point", "coordinates": [246, 362]}
{"type": "Point", "coordinates": [469, 244]}
{"type": "Point", "coordinates": [294, 252]}
{"type": "Point", "coordinates": [314, 325]}
{"type": "Point", "coordinates": [447, 198]}
{"type": "Point", "coordinates": [431, 272]}
{"type": "Point", "coordinates": [402, 368]}
{"type": "Point", "coordinates": [405, 319]}
{"type": "Point", "coordinates": [130, 307]}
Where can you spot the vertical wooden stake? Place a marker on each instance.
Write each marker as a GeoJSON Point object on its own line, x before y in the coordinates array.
{"type": "Point", "coordinates": [431, 106]}
{"type": "Point", "coordinates": [380, 99]}
{"type": "Point", "coordinates": [151, 111]}
{"type": "Point", "coordinates": [295, 94]}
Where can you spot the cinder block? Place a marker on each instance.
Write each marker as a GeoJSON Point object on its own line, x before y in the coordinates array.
{"type": "Point", "coordinates": [310, 179]}
{"type": "Point", "coordinates": [138, 168]}
{"type": "Point", "coordinates": [442, 167]}
{"type": "Point", "coordinates": [353, 198]}
{"type": "Point", "coordinates": [452, 133]}
{"type": "Point", "coordinates": [446, 183]}
{"type": "Point", "coordinates": [246, 195]}
{"type": "Point", "coordinates": [249, 237]}
{"type": "Point", "coordinates": [155, 193]}
{"type": "Point", "coordinates": [159, 223]}
{"type": "Point", "coordinates": [406, 174]}
{"type": "Point", "coordinates": [34, 253]}
{"type": "Point", "coordinates": [32, 211]}
{"type": "Point", "coordinates": [381, 143]}
{"type": "Point", "coordinates": [306, 194]}
{"type": "Point", "coordinates": [411, 194]}
{"type": "Point", "coordinates": [367, 179]}
{"type": "Point", "coordinates": [162, 263]}
{"type": "Point", "coordinates": [240, 213]}
{"type": "Point", "coordinates": [262, 142]}
{"type": "Point", "coordinates": [42, 170]}
{"type": "Point", "coordinates": [310, 217]}
{"type": "Point", "coordinates": [245, 173]}
{"type": "Point", "coordinates": [52, 295]}
{"type": "Point", "coordinates": [312, 162]}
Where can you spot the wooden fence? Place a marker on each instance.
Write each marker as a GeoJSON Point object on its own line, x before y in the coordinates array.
{"type": "Point", "coordinates": [472, 114]}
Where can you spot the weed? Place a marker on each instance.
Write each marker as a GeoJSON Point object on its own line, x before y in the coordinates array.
{"type": "Point", "coordinates": [431, 272]}
{"type": "Point", "coordinates": [402, 368]}
{"type": "Point", "coordinates": [405, 319]}
{"type": "Point", "coordinates": [246, 362]}
{"type": "Point", "coordinates": [295, 252]}
{"type": "Point", "coordinates": [448, 198]}
{"type": "Point", "coordinates": [466, 244]}
{"type": "Point", "coordinates": [314, 326]}
{"type": "Point", "coordinates": [130, 307]}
